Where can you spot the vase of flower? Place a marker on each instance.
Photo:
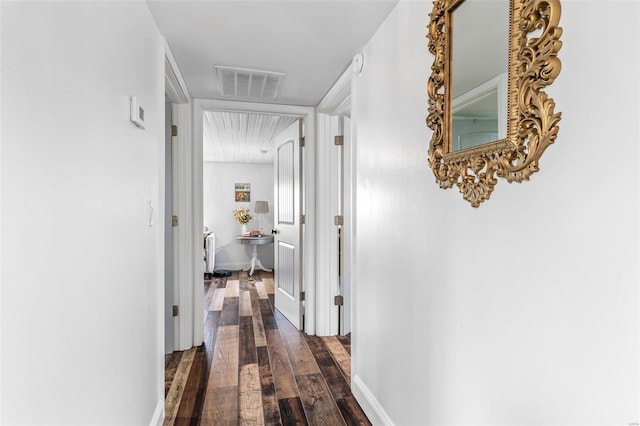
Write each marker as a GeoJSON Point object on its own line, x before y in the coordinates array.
{"type": "Point", "coordinates": [243, 217]}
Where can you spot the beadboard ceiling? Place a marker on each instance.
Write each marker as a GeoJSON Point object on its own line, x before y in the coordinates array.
{"type": "Point", "coordinates": [232, 137]}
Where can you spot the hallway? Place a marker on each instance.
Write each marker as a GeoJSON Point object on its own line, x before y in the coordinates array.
{"type": "Point", "coordinates": [256, 368]}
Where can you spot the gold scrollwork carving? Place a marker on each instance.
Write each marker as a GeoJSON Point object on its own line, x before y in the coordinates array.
{"type": "Point", "coordinates": [532, 124]}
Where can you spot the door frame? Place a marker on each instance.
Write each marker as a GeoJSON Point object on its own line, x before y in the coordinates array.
{"type": "Point", "coordinates": [335, 104]}
{"type": "Point", "coordinates": [308, 201]}
{"type": "Point", "coordinates": [178, 94]}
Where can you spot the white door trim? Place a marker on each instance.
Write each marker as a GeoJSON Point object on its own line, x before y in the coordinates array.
{"type": "Point", "coordinates": [348, 229]}
{"type": "Point", "coordinates": [177, 92]}
{"type": "Point", "coordinates": [308, 199]}
{"type": "Point", "coordinates": [175, 87]}
{"type": "Point", "coordinates": [337, 102]}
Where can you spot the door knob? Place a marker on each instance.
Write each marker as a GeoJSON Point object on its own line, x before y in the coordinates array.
{"type": "Point", "coordinates": [274, 231]}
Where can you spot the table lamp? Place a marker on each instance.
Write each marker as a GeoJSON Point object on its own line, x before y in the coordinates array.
{"type": "Point", "coordinates": [260, 209]}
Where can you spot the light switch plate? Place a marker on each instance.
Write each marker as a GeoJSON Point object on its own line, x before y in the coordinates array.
{"type": "Point", "coordinates": [137, 113]}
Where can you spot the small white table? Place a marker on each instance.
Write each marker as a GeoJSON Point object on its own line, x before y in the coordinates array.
{"type": "Point", "coordinates": [255, 242]}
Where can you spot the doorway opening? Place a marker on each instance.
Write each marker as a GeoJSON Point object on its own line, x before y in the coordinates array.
{"type": "Point", "coordinates": [336, 189]}
{"type": "Point", "coordinates": [253, 214]}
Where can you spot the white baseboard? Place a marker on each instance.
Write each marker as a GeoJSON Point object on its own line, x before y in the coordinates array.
{"type": "Point", "coordinates": [158, 414]}
{"type": "Point", "coordinates": [369, 403]}
{"type": "Point", "coordinates": [231, 266]}
{"type": "Point", "coordinates": [236, 266]}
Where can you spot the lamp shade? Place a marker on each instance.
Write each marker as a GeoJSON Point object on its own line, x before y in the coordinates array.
{"type": "Point", "coordinates": [262, 207]}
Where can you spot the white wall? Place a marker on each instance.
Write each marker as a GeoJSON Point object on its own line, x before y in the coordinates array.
{"type": "Point", "coordinates": [526, 310]}
{"type": "Point", "coordinates": [82, 323]}
{"type": "Point", "coordinates": [219, 204]}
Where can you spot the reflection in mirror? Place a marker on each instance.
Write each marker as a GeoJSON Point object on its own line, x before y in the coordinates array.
{"type": "Point", "coordinates": [479, 116]}
{"type": "Point", "coordinates": [480, 56]}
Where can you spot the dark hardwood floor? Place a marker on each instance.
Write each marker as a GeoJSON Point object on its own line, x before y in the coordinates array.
{"type": "Point", "coordinates": [255, 368]}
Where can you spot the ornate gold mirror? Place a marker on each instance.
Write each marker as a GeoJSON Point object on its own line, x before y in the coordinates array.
{"type": "Point", "coordinates": [489, 113]}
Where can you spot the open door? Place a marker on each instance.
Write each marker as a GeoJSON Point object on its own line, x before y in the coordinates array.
{"type": "Point", "coordinates": [287, 234]}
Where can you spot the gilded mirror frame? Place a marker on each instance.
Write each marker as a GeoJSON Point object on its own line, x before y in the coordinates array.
{"type": "Point", "coordinates": [532, 124]}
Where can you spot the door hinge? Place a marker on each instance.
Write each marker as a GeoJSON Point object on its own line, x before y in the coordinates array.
{"type": "Point", "coordinates": [338, 140]}
{"type": "Point", "coordinates": [303, 219]}
{"type": "Point", "coordinates": [302, 142]}
{"type": "Point", "coordinates": [302, 296]}
{"type": "Point", "coordinates": [175, 310]}
{"type": "Point", "coordinates": [338, 300]}
{"type": "Point", "coordinates": [174, 220]}
{"type": "Point", "coordinates": [338, 220]}
{"type": "Point", "coordinates": [174, 130]}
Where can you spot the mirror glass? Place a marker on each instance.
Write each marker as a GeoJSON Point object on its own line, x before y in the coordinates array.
{"type": "Point", "coordinates": [479, 64]}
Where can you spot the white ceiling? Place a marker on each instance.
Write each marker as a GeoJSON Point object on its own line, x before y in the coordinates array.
{"type": "Point", "coordinates": [312, 41]}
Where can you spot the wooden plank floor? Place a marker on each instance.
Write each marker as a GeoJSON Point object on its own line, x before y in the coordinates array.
{"type": "Point", "coordinates": [255, 368]}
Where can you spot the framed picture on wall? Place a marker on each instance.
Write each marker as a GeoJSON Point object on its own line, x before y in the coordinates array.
{"type": "Point", "coordinates": [243, 192]}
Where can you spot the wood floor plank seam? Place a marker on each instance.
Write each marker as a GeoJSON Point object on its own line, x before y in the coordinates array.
{"type": "Point", "coordinates": [292, 412]}
{"type": "Point", "coordinates": [217, 299]}
{"type": "Point", "coordinates": [225, 409]}
{"type": "Point", "coordinates": [247, 350]}
{"type": "Point", "coordinates": [172, 361]}
{"type": "Point", "coordinates": [270, 406]}
{"type": "Point", "coordinates": [333, 375]}
{"type": "Point", "coordinates": [258, 326]}
{"type": "Point", "coordinates": [319, 406]}
{"type": "Point", "coordinates": [174, 396]}
{"type": "Point", "coordinates": [339, 355]}
{"type": "Point", "coordinates": [193, 396]}
{"type": "Point", "coordinates": [288, 332]}
{"type": "Point", "coordinates": [211, 334]}
{"type": "Point", "coordinates": [267, 403]}
{"type": "Point", "coordinates": [224, 368]}
{"type": "Point", "coordinates": [350, 410]}
{"type": "Point", "coordinates": [294, 409]}
{"type": "Point", "coordinates": [250, 411]}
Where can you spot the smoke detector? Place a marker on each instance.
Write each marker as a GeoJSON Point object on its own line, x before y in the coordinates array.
{"type": "Point", "coordinates": [248, 83]}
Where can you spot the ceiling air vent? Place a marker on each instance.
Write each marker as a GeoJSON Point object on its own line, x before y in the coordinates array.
{"type": "Point", "coordinates": [248, 83]}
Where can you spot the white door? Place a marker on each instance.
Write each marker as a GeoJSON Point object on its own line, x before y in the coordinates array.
{"type": "Point", "coordinates": [287, 236]}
